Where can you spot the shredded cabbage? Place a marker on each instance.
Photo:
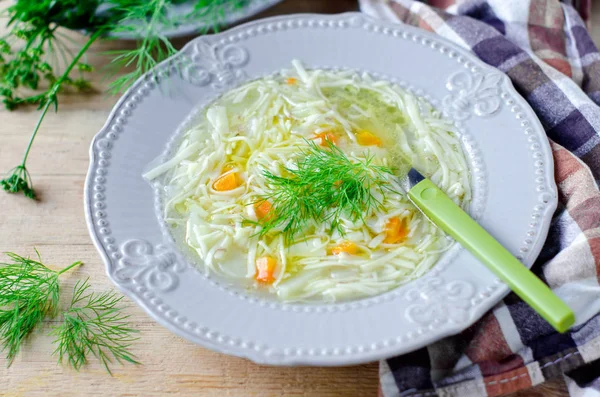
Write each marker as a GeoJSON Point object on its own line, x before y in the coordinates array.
{"type": "Point", "coordinates": [261, 126]}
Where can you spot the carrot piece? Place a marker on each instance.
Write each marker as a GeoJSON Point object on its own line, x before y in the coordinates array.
{"type": "Point", "coordinates": [396, 231]}
{"type": "Point", "coordinates": [263, 209]}
{"type": "Point", "coordinates": [291, 80]}
{"type": "Point", "coordinates": [266, 268]}
{"type": "Point", "coordinates": [347, 247]}
{"type": "Point", "coordinates": [365, 138]}
{"type": "Point", "coordinates": [322, 138]}
{"type": "Point", "coordinates": [227, 181]}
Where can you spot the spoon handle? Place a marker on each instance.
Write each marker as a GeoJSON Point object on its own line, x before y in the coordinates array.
{"type": "Point", "coordinates": [444, 213]}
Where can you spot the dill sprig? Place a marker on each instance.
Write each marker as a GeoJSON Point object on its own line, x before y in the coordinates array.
{"type": "Point", "coordinates": [29, 292]}
{"type": "Point", "coordinates": [213, 12]}
{"type": "Point", "coordinates": [19, 178]}
{"type": "Point", "coordinates": [34, 52]}
{"type": "Point", "coordinates": [94, 325]}
{"type": "Point", "coordinates": [146, 17]}
{"type": "Point", "coordinates": [324, 185]}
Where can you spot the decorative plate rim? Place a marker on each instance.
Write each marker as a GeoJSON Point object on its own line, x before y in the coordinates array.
{"type": "Point", "coordinates": [351, 355]}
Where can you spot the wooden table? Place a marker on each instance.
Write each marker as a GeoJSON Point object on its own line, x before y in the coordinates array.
{"type": "Point", "coordinates": [56, 226]}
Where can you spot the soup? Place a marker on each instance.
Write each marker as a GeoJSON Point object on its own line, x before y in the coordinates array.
{"type": "Point", "coordinates": [289, 184]}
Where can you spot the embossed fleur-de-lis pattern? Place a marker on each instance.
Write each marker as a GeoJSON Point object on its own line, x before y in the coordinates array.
{"type": "Point", "coordinates": [219, 66]}
{"type": "Point", "coordinates": [472, 93]}
{"type": "Point", "coordinates": [435, 301]}
{"type": "Point", "coordinates": [143, 264]}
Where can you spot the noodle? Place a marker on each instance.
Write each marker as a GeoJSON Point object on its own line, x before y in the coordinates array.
{"type": "Point", "coordinates": [216, 177]}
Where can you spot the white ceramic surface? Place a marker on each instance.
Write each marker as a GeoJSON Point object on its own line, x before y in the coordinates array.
{"type": "Point", "coordinates": [511, 165]}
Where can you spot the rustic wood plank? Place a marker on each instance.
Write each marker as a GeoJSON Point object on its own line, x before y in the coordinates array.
{"type": "Point", "coordinates": [56, 226]}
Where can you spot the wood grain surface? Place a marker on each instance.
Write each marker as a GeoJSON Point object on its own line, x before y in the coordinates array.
{"type": "Point", "coordinates": [56, 226]}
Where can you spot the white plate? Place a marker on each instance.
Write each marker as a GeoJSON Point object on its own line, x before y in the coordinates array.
{"type": "Point", "coordinates": [511, 166]}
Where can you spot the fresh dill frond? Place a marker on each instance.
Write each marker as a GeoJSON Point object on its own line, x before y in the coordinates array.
{"type": "Point", "coordinates": [19, 179]}
{"type": "Point", "coordinates": [36, 63]}
{"type": "Point", "coordinates": [94, 325]}
{"type": "Point", "coordinates": [146, 18]}
{"type": "Point", "coordinates": [33, 53]}
{"type": "Point", "coordinates": [29, 292]}
{"type": "Point", "coordinates": [150, 19]}
{"type": "Point", "coordinates": [324, 185]}
{"type": "Point", "coordinates": [213, 13]}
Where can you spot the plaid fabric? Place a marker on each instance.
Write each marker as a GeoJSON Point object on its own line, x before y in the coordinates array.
{"type": "Point", "coordinates": [544, 47]}
{"type": "Point", "coordinates": [583, 7]}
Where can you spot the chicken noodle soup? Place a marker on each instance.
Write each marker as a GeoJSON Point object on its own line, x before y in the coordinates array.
{"type": "Point", "coordinates": [289, 183]}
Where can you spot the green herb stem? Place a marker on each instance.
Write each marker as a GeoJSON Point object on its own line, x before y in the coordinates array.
{"type": "Point", "coordinates": [19, 179]}
{"type": "Point", "coordinates": [51, 96]}
{"type": "Point", "coordinates": [81, 52]}
{"type": "Point", "coordinates": [35, 131]}
{"type": "Point", "coordinates": [71, 266]}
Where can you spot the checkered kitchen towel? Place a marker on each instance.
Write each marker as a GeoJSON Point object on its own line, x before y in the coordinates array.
{"type": "Point", "coordinates": [582, 6]}
{"type": "Point", "coordinates": [544, 47]}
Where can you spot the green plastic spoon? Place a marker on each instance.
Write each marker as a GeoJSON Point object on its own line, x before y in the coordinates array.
{"type": "Point", "coordinates": [448, 216]}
